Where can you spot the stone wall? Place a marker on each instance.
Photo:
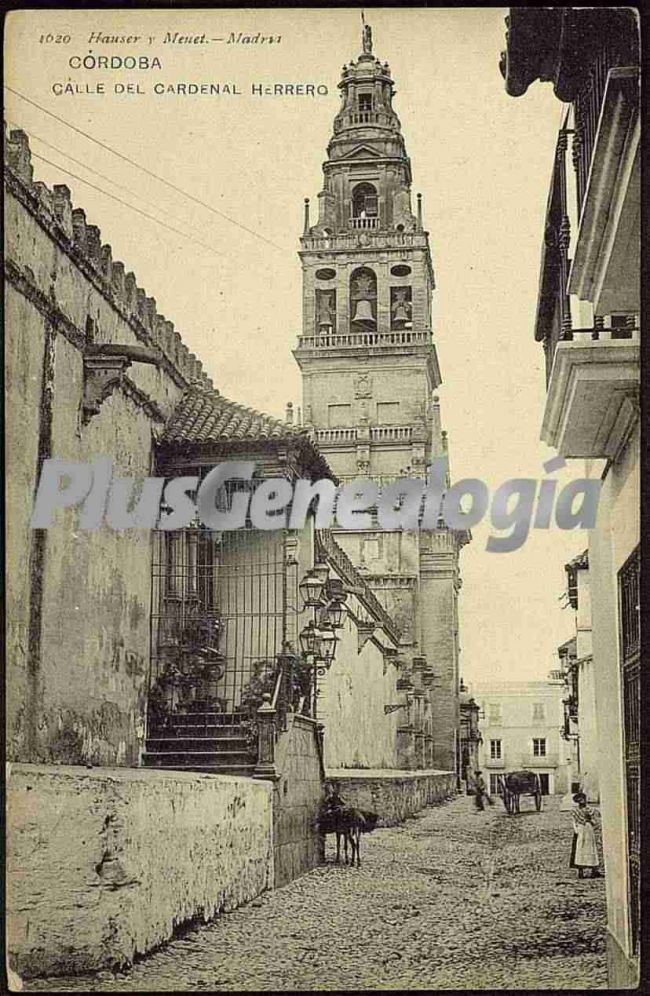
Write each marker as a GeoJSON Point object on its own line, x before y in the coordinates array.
{"type": "Point", "coordinates": [615, 537]}
{"type": "Point", "coordinates": [439, 640]}
{"type": "Point", "coordinates": [104, 864]}
{"type": "Point", "coordinates": [78, 601]}
{"type": "Point", "coordinates": [394, 795]}
{"type": "Point", "coordinates": [297, 845]}
{"type": "Point", "coordinates": [358, 733]}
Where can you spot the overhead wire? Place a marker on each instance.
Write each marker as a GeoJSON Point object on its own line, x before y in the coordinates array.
{"type": "Point", "coordinates": [144, 169]}
{"type": "Point", "coordinates": [131, 207]}
{"type": "Point", "coordinates": [102, 176]}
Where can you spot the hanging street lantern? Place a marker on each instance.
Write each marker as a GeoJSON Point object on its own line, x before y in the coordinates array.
{"type": "Point", "coordinates": [311, 639]}
{"type": "Point", "coordinates": [336, 596]}
{"type": "Point", "coordinates": [311, 589]}
{"type": "Point", "coordinates": [329, 640]}
{"type": "Point", "coordinates": [335, 610]}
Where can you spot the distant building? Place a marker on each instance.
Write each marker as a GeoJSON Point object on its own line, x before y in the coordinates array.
{"type": "Point", "coordinates": [589, 324]}
{"type": "Point", "coordinates": [520, 723]}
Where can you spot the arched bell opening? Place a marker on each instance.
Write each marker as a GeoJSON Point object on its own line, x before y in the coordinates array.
{"type": "Point", "coordinates": [364, 201]}
{"type": "Point", "coordinates": [401, 310]}
{"type": "Point", "coordinates": [363, 299]}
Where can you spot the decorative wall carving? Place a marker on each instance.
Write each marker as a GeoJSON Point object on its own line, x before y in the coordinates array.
{"type": "Point", "coordinates": [363, 386]}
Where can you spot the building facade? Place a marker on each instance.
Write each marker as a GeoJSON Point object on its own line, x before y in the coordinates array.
{"type": "Point", "coordinates": [520, 723]}
{"type": "Point", "coordinates": [588, 322]}
{"type": "Point", "coordinates": [577, 664]}
{"type": "Point", "coordinates": [370, 371]}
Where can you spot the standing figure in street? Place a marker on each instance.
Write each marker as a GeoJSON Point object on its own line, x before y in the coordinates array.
{"type": "Point", "coordinates": [584, 853]}
{"type": "Point", "coordinates": [481, 791]}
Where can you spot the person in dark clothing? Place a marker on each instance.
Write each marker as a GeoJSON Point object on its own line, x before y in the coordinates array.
{"type": "Point", "coordinates": [481, 792]}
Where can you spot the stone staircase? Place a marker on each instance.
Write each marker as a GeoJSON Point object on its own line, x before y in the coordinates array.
{"type": "Point", "coordinates": [212, 742]}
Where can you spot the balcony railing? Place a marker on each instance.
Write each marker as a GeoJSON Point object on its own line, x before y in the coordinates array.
{"type": "Point", "coordinates": [365, 117]}
{"type": "Point", "coordinates": [373, 237]}
{"type": "Point", "coordinates": [336, 435]}
{"type": "Point", "coordinates": [553, 317]}
{"type": "Point", "coordinates": [390, 433]}
{"type": "Point", "coordinates": [600, 334]}
{"type": "Point", "coordinates": [378, 433]}
{"type": "Point", "coordinates": [365, 223]}
{"type": "Point", "coordinates": [357, 340]}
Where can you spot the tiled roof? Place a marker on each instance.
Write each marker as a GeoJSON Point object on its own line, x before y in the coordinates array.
{"type": "Point", "coordinates": [204, 416]}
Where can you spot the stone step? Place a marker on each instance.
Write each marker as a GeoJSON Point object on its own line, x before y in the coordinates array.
{"type": "Point", "coordinates": [215, 718]}
{"type": "Point", "coordinates": [183, 743]}
{"type": "Point", "coordinates": [195, 729]}
{"type": "Point", "coordinates": [193, 763]}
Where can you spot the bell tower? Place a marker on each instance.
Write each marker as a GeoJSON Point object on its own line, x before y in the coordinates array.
{"type": "Point", "coordinates": [366, 352]}
{"type": "Point", "coordinates": [370, 371]}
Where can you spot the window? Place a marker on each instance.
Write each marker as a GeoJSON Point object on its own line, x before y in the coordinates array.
{"type": "Point", "coordinates": [538, 711]}
{"type": "Point", "coordinates": [388, 413]}
{"type": "Point", "coordinates": [539, 746]}
{"type": "Point", "coordinates": [370, 550]}
{"type": "Point", "coordinates": [495, 750]}
{"type": "Point", "coordinates": [339, 415]}
{"type": "Point", "coordinates": [365, 101]}
{"type": "Point", "coordinates": [494, 712]}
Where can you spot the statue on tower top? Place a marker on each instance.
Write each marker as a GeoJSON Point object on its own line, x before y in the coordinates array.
{"type": "Point", "coordinates": [366, 37]}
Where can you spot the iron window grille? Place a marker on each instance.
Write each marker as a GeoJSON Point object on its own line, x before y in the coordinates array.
{"type": "Point", "coordinates": [219, 616]}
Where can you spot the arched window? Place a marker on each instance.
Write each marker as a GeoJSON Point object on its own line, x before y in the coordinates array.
{"type": "Point", "coordinates": [364, 201]}
{"type": "Point", "coordinates": [363, 298]}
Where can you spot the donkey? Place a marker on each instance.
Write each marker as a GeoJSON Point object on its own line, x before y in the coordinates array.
{"type": "Point", "coordinates": [347, 823]}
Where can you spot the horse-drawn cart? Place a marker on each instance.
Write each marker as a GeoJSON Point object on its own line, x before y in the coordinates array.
{"type": "Point", "coordinates": [517, 783]}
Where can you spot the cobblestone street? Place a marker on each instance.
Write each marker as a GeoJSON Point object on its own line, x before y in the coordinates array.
{"type": "Point", "coordinates": [453, 898]}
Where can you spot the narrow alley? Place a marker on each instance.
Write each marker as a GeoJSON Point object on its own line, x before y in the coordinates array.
{"type": "Point", "coordinates": [451, 899]}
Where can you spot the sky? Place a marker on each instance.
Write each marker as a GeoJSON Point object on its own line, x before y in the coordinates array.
{"type": "Point", "coordinates": [481, 159]}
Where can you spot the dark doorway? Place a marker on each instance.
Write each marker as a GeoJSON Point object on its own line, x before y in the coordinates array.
{"type": "Point", "coordinates": [544, 782]}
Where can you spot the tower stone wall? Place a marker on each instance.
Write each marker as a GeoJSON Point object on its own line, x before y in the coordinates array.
{"type": "Point", "coordinates": [370, 372]}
